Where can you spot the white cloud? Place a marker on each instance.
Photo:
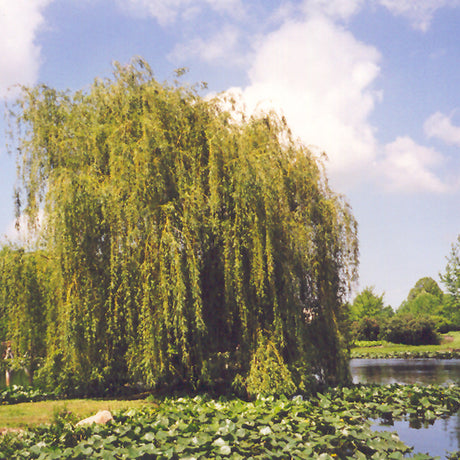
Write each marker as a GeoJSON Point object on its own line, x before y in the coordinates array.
{"type": "Point", "coordinates": [20, 21]}
{"type": "Point", "coordinates": [335, 9]}
{"type": "Point", "coordinates": [220, 46]}
{"type": "Point", "coordinates": [407, 167]}
{"type": "Point", "coordinates": [419, 12]}
{"type": "Point", "coordinates": [440, 126]}
{"type": "Point", "coordinates": [163, 11]}
{"type": "Point", "coordinates": [320, 77]}
{"type": "Point", "coordinates": [231, 7]}
{"type": "Point", "coordinates": [168, 11]}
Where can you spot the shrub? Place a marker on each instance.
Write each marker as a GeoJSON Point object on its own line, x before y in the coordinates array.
{"type": "Point", "coordinates": [366, 329]}
{"type": "Point", "coordinates": [443, 325]}
{"type": "Point", "coordinates": [408, 330]}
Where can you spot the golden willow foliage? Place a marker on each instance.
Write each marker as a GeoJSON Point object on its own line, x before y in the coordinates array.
{"type": "Point", "coordinates": [178, 235]}
{"type": "Point", "coordinates": [23, 305]}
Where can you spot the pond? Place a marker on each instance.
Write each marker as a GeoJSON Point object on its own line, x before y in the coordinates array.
{"type": "Point", "coordinates": [424, 371]}
{"type": "Point", "coordinates": [436, 439]}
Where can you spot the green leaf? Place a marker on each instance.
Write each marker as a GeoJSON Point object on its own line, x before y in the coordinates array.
{"type": "Point", "coordinates": [265, 431]}
{"type": "Point", "coordinates": [225, 450]}
{"type": "Point", "coordinates": [219, 442]}
{"type": "Point", "coordinates": [149, 437]}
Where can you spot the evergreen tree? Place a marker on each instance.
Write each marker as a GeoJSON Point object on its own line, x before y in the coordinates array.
{"type": "Point", "coordinates": [451, 280]}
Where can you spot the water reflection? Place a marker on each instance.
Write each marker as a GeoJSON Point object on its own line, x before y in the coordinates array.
{"type": "Point", "coordinates": [406, 371]}
{"type": "Point", "coordinates": [434, 439]}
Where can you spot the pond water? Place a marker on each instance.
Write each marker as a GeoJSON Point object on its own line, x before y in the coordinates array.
{"type": "Point", "coordinates": [425, 371]}
{"type": "Point", "coordinates": [436, 439]}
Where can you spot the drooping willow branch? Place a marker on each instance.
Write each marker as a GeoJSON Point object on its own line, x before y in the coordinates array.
{"type": "Point", "coordinates": [177, 235]}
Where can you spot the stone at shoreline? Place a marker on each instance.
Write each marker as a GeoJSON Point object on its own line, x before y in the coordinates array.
{"type": "Point", "coordinates": [102, 417]}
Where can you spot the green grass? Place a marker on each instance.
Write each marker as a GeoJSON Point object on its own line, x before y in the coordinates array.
{"type": "Point", "coordinates": [451, 339]}
{"type": "Point", "coordinates": [36, 413]}
{"type": "Point", "coordinates": [449, 342]}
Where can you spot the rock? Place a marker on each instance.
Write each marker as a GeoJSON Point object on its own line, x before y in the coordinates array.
{"type": "Point", "coordinates": [102, 417]}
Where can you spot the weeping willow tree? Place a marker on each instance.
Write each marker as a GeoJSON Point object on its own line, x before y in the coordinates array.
{"type": "Point", "coordinates": [179, 236]}
{"type": "Point", "coordinates": [23, 305]}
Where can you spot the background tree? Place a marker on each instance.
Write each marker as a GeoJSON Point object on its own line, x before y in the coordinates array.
{"type": "Point", "coordinates": [180, 236]}
{"type": "Point", "coordinates": [368, 314]}
{"type": "Point", "coordinates": [369, 304]}
{"type": "Point", "coordinates": [426, 285]}
{"type": "Point", "coordinates": [426, 299]}
{"type": "Point", "coordinates": [451, 280]}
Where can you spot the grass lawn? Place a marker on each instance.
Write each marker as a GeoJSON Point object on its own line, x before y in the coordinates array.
{"type": "Point", "coordinates": [449, 341]}
{"type": "Point", "coordinates": [35, 413]}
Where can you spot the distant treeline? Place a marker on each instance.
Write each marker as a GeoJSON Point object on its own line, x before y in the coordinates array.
{"type": "Point", "coordinates": [426, 311]}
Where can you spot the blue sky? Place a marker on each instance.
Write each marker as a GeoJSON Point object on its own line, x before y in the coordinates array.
{"type": "Point", "coordinates": [372, 83]}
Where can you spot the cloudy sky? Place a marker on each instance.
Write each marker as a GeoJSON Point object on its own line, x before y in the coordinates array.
{"type": "Point", "coordinates": [373, 83]}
